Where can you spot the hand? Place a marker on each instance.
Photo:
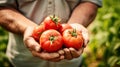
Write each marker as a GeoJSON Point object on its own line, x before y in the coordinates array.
{"type": "Point", "coordinates": [35, 48]}
{"type": "Point", "coordinates": [71, 53]}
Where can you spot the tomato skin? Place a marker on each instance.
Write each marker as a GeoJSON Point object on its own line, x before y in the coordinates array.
{"type": "Point", "coordinates": [71, 41]}
{"type": "Point", "coordinates": [51, 45]}
{"type": "Point", "coordinates": [51, 24]}
{"type": "Point", "coordinates": [38, 31]}
{"type": "Point", "coordinates": [64, 27]}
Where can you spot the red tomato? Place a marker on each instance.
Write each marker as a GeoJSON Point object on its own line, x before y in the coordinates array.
{"type": "Point", "coordinates": [38, 31]}
{"type": "Point", "coordinates": [52, 22]}
{"type": "Point", "coordinates": [64, 27]}
{"type": "Point", "coordinates": [72, 38]}
{"type": "Point", "coordinates": [51, 40]}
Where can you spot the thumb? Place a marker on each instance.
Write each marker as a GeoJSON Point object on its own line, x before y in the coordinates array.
{"type": "Point", "coordinates": [86, 38]}
{"type": "Point", "coordinates": [29, 41]}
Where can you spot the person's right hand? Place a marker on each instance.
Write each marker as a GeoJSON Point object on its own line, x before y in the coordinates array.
{"type": "Point", "coordinates": [35, 48]}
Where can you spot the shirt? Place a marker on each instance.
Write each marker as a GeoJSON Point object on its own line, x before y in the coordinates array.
{"type": "Point", "coordinates": [37, 10]}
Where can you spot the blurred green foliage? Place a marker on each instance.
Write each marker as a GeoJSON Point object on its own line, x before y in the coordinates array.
{"type": "Point", "coordinates": [105, 36]}
{"type": "Point", "coordinates": [3, 44]}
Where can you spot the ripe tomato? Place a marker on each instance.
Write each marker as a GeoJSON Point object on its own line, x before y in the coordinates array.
{"type": "Point", "coordinates": [51, 40]}
{"type": "Point", "coordinates": [52, 22]}
{"type": "Point", "coordinates": [64, 27]}
{"type": "Point", "coordinates": [72, 38]}
{"type": "Point", "coordinates": [38, 31]}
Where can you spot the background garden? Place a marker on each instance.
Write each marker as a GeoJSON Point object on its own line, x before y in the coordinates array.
{"type": "Point", "coordinates": [103, 49]}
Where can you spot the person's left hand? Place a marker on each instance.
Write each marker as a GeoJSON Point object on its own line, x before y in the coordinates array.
{"type": "Point", "coordinates": [71, 53]}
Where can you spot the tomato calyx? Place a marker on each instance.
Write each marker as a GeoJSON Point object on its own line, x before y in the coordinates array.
{"type": "Point", "coordinates": [52, 38]}
{"type": "Point", "coordinates": [55, 19]}
{"type": "Point", "coordinates": [73, 33]}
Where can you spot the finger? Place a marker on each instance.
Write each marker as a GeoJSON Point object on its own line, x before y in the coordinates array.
{"type": "Point", "coordinates": [76, 53]}
{"type": "Point", "coordinates": [57, 59]}
{"type": "Point", "coordinates": [61, 52]}
{"type": "Point", "coordinates": [45, 56]}
{"type": "Point", "coordinates": [85, 37]}
{"type": "Point", "coordinates": [67, 54]}
{"type": "Point", "coordinates": [29, 40]}
{"type": "Point", "coordinates": [80, 51]}
{"type": "Point", "coordinates": [32, 44]}
{"type": "Point", "coordinates": [62, 57]}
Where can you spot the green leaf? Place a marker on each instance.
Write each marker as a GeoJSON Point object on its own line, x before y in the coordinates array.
{"type": "Point", "coordinates": [107, 16]}
{"type": "Point", "coordinates": [118, 62]}
{"type": "Point", "coordinates": [113, 60]}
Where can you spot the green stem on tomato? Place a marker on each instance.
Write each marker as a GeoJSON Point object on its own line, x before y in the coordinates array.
{"type": "Point", "coordinates": [55, 19]}
{"type": "Point", "coordinates": [73, 33]}
{"type": "Point", "coordinates": [52, 38]}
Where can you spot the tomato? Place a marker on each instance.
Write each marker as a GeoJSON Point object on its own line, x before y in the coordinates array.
{"type": "Point", "coordinates": [52, 22]}
{"type": "Point", "coordinates": [72, 38]}
{"type": "Point", "coordinates": [51, 40]}
{"type": "Point", "coordinates": [64, 27]}
{"type": "Point", "coordinates": [38, 31]}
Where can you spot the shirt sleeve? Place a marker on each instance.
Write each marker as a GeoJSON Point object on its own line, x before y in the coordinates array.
{"type": "Point", "coordinates": [97, 2]}
{"type": "Point", "coordinates": [8, 3]}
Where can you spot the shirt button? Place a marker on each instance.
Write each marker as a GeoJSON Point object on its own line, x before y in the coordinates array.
{"type": "Point", "coordinates": [50, 2]}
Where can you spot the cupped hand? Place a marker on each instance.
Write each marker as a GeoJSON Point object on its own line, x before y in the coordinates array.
{"type": "Point", "coordinates": [71, 53]}
{"type": "Point", "coordinates": [36, 50]}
